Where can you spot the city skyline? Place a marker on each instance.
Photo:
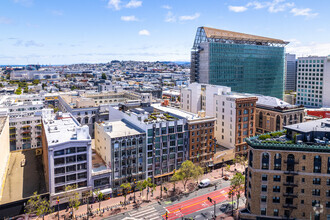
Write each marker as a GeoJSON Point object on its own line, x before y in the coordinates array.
{"type": "Point", "coordinates": [100, 31]}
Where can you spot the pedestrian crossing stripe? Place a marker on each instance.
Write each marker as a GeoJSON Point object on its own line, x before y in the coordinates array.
{"type": "Point", "coordinates": [149, 213]}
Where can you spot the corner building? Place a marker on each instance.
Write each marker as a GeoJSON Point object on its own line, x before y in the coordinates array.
{"type": "Point", "coordinates": [244, 62]}
{"type": "Point", "coordinates": [288, 174]}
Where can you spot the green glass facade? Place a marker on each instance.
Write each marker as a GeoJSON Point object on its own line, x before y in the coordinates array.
{"type": "Point", "coordinates": [247, 68]}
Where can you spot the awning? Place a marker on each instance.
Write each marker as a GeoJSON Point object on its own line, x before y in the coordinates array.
{"type": "Point", "coordinates": [165, 174]}
{"type": "Point", "coordinates": [104, 192]}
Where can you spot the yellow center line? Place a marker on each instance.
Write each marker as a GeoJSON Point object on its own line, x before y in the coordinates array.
{"type": "Point", "coordinates": [185, 207]}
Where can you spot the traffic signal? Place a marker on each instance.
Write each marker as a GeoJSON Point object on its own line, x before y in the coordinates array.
{"type": "Point", "coordinates": [165, 189]}
{"type": "Point", "coordinates": [57, 200]}
{"type": "Point", "coordinates": [166, 214]}
{"type": "Point", "coordinates": [210, 200]}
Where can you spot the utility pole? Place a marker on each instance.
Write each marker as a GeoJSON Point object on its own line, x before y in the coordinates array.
{"type": "Point", "coordinates": [58, 208]}
{"type": "Point", "coordinates": [214, 203]}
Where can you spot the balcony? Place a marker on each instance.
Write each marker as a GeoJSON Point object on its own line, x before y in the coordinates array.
{"type": "Point", "coordinates": [291, 172]}
{"type": "Point", "coordinates": [290, 206]}
{"type": "Point", "coordinates": [290, 184]}
{"type": "Point", "coordinates": [294, 195]}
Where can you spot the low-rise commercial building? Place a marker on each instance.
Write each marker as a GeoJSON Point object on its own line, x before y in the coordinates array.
{"type": "Point", "coordinates": [273, 113]}
{"type": "Point", "coordinates": [288, 174]}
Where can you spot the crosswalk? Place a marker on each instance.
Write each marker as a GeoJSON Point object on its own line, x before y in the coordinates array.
{"type": "Point", "coordinates": [148, 212]}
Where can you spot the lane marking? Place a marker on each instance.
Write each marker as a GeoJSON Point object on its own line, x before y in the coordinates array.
{"type": "Point", "coordinates": [197, 203]}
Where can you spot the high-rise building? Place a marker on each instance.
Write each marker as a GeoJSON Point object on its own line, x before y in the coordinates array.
{"type": "Point", "coordinates": [290, 72]}
{"type": "Point", "coordinates": [244, 62]}
{"type": "Point", "coordinates": [288, 173]}
{"type": "Point", "coordinates": [234, 112]}
{"type": "Point", "coordinates": [313, 81]}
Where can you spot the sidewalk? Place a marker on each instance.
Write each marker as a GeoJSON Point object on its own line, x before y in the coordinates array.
{"type": "Point", "coordinates": [119, 209]}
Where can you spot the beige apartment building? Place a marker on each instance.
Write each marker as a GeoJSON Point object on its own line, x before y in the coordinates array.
{"type": "Point", "coordinates": [288, 174]}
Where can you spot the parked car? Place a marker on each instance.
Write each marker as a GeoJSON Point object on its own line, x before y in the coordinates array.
{"type": "Point", "coordinates": [204, 183]}
{"type": "Point", "coordinates": [224, 207]}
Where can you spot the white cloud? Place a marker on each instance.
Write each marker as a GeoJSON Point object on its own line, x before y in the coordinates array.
{"type": "Point", "coordinates": [115, 4]}
{"type": "Point", "coordinates": [189, 17]}
{"type": "Point", "coordinates": [257, 5]}
{"type": "Point", "coordinates": [133, 4]}
{"type": "Point", "coordinates": [57, 12]}
{"type": "Point", "coordinates": [277, 6]}
{"type": "Point", "coordinates": [26, 3]}
{"type": "Point", "coordinates": [307, 48]}
{"type": "Point", "coordinates": [303, 12]}
{"type": "Point", "coordinates": [144, 32]}
{"type": "Point", "coordinates": [167, 7]}
{"type": "Point", "coordinates": [170, 17]}
{"type": "Point", "coordinates": [129, 18]}
{"type": "Point", "coordinates": [237, 8]}
{"type": "Point", "coordinates": [5, 20]}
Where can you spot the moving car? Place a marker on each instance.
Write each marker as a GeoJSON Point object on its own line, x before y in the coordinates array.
{"type": "Point", "coordinates": [204, 183]}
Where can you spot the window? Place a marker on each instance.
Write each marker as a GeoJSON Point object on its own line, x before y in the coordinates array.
{"type": "Point", "coordinates": [316, 192]}
{"type": "Point", "coordinates": [316, 181]}
{"type": "Point", "coordinates": [275, 212]}
{"type": "Point", "coordinates": [276, 189]}
{"type": "Point", "coordinates": [58, 161]}
{"type": "Point", "coordinates": [276, 199]}
{"type": "Point", "coordinates": [264, 177]}
{"type": "Point", "coordinates": [317, 164]}
{"type": "Point", "coordinates": [277, 161]}
{"type": "Point", "coordinates": [263, 198]}
{"type": "Point", "coordinates": [264, 188]}
{"type": "Point", "coordinates": [277, 178]}
{"type": "Point", "coordinates": [263, 211]}
{"type": "Point", "coordinates": [265, 161]}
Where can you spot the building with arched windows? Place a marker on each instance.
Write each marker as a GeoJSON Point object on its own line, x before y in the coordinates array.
{"type": "Point", "coordinates": [288, 173]}
{"type": "Point", "coordinates": [272, 114]}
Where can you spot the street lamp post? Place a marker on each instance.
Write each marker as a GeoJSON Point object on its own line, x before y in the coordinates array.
{"type": "Point", "coordinates": [223, 159]}
{"type": "Point", "coordinates": [134, 189]}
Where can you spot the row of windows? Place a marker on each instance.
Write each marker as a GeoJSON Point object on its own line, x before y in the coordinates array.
{"type": "Point", "coordinates": [311, 61]}
{"type": "Point", "coordinates": [310, 65]}
{"type": "Point", "coordinates": [317, 162]}
{"type": "Point", "coordinates": [317, 70]}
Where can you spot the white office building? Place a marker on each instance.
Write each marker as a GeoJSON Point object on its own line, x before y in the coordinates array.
{"type": "Point", "coordinates": [313, 81]}
{"type": "Point", "coordinates": [24, 113]}
{"type": "Point", "coordinates": [67, 155]}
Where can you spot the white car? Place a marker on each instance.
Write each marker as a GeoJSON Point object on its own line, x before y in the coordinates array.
{"type": "Point", "coordinates": [204, 183]}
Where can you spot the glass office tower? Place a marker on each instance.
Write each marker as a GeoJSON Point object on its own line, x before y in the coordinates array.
{"type": "Point", "coordinates": [246, 63]}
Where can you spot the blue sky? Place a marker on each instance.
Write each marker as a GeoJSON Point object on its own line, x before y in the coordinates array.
{"type": "Point", "coordinates": [94, 31]}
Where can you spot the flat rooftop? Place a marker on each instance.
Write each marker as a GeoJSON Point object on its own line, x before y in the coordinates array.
{"type": "Point", "coordinates": [179, 112]}
{"type": "Point", "coordinates": [121, 128]}
{"type": "Point", "coordinates": [62, 129]}
{"type": "Point", "coordinates": [310, 126]}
